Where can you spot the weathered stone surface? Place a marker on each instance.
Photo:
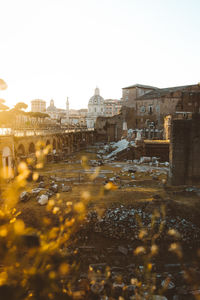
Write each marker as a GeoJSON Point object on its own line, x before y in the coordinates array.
{"type": "Point", "coordinates": [36, 191]}
{"type": "Point", "coordinates": [24, 196]}
{"type": "Point", "coordinates": [65, 188]}
{"type": "Point", "coordinates": [42, 184]}
{"type": "Point", "coordinates": [184, 151]}
{"type": "Point", "coordinates": [49, 193]}
{"type": "Point", "coordinates": [60, 179]}
{"type": "Point", "coordinates": [54, 188]}
{"type": "Point", "coordinates": [144, 159]}
{"type": "Point", "coordinates": [43, 200]}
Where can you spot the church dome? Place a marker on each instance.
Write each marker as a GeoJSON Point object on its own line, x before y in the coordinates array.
{"type": "Point", "coordinates": [96, 99]}
{"type": "Point", "coordinates": [51, 107]}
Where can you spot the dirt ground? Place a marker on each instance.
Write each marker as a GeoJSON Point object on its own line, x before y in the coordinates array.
{"type": "Point", "coordinates": [109, 234]}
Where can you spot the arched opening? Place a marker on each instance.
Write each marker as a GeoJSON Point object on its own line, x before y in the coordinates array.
{"type": "Point", "coordinates": [7, 162]}
{"type": "Point", "coordinates": [31, 148]}
{"type": "Point", "coordinates": [48, 146]}
{"type": "Point", "coordinates": [54, 144]}
{"type": "Point", "coordinates": [21, 150]}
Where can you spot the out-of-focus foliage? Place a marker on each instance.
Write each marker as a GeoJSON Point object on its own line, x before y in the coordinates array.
{"type": "Point", "coordinates": [37, 114]}
{"type": "Point", "coordinates": [3, 107]}
{"type": "Point", "coordinates": [20, 106]}
{"type": "Point", "coordinates": [34, 263]}
{"type": "Point", "coordinates": [3, 85]}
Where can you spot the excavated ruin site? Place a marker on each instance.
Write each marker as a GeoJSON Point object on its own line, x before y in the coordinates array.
{"type": "Point", "coordinates": [138, 233]}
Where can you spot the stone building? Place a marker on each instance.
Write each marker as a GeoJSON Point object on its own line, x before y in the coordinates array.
{"type": "Point", "coordinates": [38, 105]}
{"type": "Point", "coordinates": [154, 106]}
{"type": "Point", "coordinates": [75, 117]}
{"type": "Point", "coordinates": [131, 93]}
{"type": "Point", "coordinates": [52, 110]}
{"type": "Point", "coordinates": [112, 107]}
{"type": "Point", "coordinates": [56, 113]}
{"type": "Point", "coordinates": [150, 105]}
{"type": "Point", "coordinates": [95, 108]}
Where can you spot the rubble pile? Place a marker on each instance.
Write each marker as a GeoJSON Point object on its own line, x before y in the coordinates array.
{"type": "Point", "coordinates": [113, 150]}
{"type": "Point", "coordinates": [122, 223]}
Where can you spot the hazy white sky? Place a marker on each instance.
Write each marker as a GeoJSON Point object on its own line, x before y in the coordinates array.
{"type": "Point", "coordinates": [59, 48]}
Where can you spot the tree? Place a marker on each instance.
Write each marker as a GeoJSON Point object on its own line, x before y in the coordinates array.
{"type": "Point", "coordinates": [3, 85]}
{"type": "Point", "coordinates": [3, 107]}
{"type": "Point", "coordinates": [20, 106]}
{"type": "Point", "coordinates": [37, 114]}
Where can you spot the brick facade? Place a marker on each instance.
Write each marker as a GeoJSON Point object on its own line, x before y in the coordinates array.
{"type": "Point", "coordinates": [156, 105]}
{"type": "Point", "coordinates": [151, 105]}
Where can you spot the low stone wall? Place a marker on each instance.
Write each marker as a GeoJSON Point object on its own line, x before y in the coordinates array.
{"type": "Point", "coordinates": [158, 149]}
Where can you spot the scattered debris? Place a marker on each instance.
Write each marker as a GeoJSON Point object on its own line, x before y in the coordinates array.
{"type": "Point", "coordinates": [118, 147]}
{"type": "Point", "coordinates": [41, 184]}
{"type": "Point", "coordinates": [122, 222]}
{"type": "Point", "coordinates": [43, 199]}
{"type": "Point", "coordinates": [54, 188]}
{"type": "Point", "coordinates": [24, 196]}
{"type": "Point", "coordinates": [65, 188]}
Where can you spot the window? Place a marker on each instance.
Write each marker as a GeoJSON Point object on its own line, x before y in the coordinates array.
{"type": "Point", "coordinates": [150, 109]}
{"type": "Point", "coordinates": [142, 109]}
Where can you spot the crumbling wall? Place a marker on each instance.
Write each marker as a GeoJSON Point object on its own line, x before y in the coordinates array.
{"type": "Point", "coordinates": [158, 149]}
{"type": "Point", "coordinates": [109, 129]}
{"type": "Point", "coordinates": [184, 151]}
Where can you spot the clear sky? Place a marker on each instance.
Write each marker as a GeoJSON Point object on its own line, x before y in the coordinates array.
{"type": "Point", "coordinates": [59, 48]}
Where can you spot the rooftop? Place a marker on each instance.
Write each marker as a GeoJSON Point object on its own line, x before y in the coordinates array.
{"type": "Point", "coordinates": [164, 92]}
{"type": "Point", "coordinates": [38, 100]}
{"type": "Point", "coordinates": [141, 86]}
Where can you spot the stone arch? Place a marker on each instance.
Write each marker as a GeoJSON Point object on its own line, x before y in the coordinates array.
{"type": "Point", "coordinates": [49, 146]}
{"type": "Point", "coordinates": [7, 162]}
{"type": "Point", "coordinates": [54, 144]}
{"type": "Point", "coordinates": [21, 150]}
{"type": "Point", "coordinates": [31, 148]}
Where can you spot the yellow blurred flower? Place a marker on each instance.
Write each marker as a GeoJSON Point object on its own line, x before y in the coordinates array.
{"type": "Point", "coordinates": [19, 227]}
{"type": "Point", "coordinates": [110, 186]}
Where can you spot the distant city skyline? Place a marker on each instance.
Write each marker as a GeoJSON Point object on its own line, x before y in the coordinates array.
{"type": "Point", "coordinates": [54, 49]}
